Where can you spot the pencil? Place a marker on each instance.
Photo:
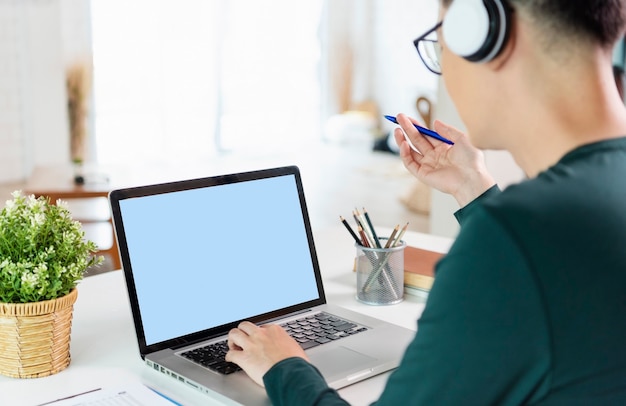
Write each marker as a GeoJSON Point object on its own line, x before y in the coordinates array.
{"type": "Point", "coordinates": [365, 243]}
{"type": "Point", "coordinates": [359, 223]}
{"type": "Point", "coordinates": [352, 233]}
{"type": "Point", "coordinates": [400, 235]}
{"type": "Point", "coordinates": [366, 229]}
{"type": "Point", "coordinates": [369, 223]}
{"type": "Point", "coordinates": [392, 236]}
{"type": "Point", "coordinates": [356, 218]}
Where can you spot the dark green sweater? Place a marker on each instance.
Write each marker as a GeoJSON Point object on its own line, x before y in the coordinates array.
{"type": "Point", "coordinates": [528, 306]}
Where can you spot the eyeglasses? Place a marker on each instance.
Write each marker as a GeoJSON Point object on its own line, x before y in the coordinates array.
{"type": "Point", "coordinates": [429, 49]}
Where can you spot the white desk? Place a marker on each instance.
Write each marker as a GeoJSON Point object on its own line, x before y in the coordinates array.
{"type": "Point", "coordinates": [104, 350]}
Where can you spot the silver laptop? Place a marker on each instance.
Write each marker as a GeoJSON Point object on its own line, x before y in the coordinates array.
{"type": "Point", "coordinates": [201, 255]}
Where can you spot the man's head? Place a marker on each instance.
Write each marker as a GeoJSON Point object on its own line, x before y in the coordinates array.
{"type": "Point", "coordinates": [599, 21]}
{"type": "Point", "coordinates": [540, 37]}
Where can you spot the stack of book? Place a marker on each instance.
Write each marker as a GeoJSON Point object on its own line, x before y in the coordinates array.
{"type": "Point", "coordinates": [419, 269]}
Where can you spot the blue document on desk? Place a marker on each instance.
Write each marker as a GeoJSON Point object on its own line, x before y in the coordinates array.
{"type": "Point", "coordinates": [201, 255]}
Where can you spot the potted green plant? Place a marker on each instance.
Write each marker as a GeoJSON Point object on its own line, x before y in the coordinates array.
{"type": "Point", "coordinates": [43, 255]}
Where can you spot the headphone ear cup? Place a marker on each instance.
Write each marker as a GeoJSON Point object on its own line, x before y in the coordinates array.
{"type": "Point", "coordinates": [465, 27]}
{"type": "Point", "coordinates": [476, 29]}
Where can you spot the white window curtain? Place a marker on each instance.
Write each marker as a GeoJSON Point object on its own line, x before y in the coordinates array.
{"type": "Point", "coordinates": [371, 62]}
{"type": "Point", "coordinates": [33, 119]}
{"type": "Point", "coordinates": [184, 79]}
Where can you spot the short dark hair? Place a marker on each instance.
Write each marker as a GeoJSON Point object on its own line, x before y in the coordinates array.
{"type": "Point", "coordinates": [600, 21]}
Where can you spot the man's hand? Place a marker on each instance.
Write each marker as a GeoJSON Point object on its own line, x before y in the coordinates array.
{"type": "Point", "coordinates": [256, 349]}
{"type": "Point", "coordinates": [457, 169]}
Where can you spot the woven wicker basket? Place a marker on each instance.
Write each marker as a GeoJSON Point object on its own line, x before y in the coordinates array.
{"type": "Point", "coordinates": [35, 337]}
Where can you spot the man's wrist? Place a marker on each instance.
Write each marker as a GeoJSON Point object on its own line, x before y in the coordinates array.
{"type": "Point", "coordinates": [473, 188]}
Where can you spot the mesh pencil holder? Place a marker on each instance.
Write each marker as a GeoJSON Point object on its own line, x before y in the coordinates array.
{"type": "Point", "coordinates": [35, 337]}
{"type": "Point", "coordinates": [380, 274]}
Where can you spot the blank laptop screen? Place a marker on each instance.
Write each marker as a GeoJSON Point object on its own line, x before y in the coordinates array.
{"type": "Point", "coordinates": [206, 257]}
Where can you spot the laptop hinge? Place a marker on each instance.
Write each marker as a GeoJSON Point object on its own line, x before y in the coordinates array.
{"type": "Point", "coordinates": [269, 321]}
{"type": "Point", "coordinates": [192, 342]}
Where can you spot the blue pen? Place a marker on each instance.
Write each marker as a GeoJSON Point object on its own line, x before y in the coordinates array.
{"type": "Point", "coordinates": [422, 130]}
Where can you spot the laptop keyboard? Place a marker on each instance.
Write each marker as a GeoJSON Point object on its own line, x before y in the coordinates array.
{"type": "Point", "coordinates": [212, 357]}
{"type": "Point", "coordinates": [309, 332]}
{"type": "Point", "coordinates": [320, 328]}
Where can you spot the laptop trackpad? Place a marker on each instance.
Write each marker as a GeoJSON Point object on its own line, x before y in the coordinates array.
{"type": "Point", "coordinates": [339, 360]}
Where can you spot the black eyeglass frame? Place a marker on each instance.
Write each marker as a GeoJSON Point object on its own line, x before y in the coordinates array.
{"type": "Point", "coordinates": [421, 38]}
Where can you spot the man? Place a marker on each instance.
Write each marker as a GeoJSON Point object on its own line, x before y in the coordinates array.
{"type": "Point", "coordinates": [529, 305]}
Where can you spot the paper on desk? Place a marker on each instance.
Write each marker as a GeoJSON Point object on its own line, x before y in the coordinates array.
{"type": "Point", "coordinates": [128, 395]}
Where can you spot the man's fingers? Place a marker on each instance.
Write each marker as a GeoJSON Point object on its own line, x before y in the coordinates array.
{"type": "Point", "coordinates": [422, 143]}
{"type": "Point", "coordinates": [448, 131]}
{"type": "Point", "coordinates": [247, 327]}
{"type": "Point", "coordinates": [233, 356]}
{"type": "Point", "coordinates": [233, 346]}
{"type": "Point", "coordinates": [238, 338]}
{"type": "Point", "coordinates": [407, 155]}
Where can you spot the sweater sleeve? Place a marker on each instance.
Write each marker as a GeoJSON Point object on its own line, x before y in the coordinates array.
{"type": "Point", "coordinates": [294, 381]}
{"type": "Point", "coordinates": [464, 212]}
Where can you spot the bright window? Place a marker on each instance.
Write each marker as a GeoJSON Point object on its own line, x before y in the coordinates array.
{"type": "Point", "coordinates": [184, 79]}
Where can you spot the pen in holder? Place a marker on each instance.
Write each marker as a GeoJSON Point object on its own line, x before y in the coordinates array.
{"type": "Point", "coordinates": [380, 274]}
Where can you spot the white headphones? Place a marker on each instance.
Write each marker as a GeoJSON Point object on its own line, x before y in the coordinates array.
{"type": "Point", "coordinates": [476, 29]}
